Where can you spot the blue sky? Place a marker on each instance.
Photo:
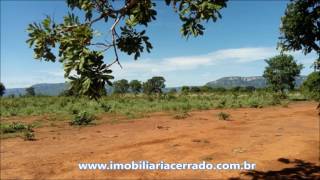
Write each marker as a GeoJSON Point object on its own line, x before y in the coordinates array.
{"type": "Point", "coordinates": [236, 45]}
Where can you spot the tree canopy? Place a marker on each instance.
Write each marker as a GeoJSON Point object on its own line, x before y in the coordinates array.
{"type": "Point", "coordinates": [300, 28]}
{"type": "Point", "coordinates": [121, 86]}
{"type": "Point", "coordinates": [154, 85]}
{"type": "Point", "coordinates": [135, 86]}
{"type": "Point", "coordinates": [83, 57]}
{"type": "Point", "coordinates": [281, 72]}
{"type": "Point", "coordinates": [30, 91]}
{"type": "Point", "coordinates": [185, 89]}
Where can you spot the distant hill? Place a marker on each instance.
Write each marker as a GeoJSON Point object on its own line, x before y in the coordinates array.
{"type": "Point", "coordinates": [54, 89]}
{"type": "Point", "coordinates": [49, 89]}
{"type": "Point", "coordinates": [255, 81]}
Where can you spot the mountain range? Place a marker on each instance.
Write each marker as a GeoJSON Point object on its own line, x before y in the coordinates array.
{"type": "Point", "coordinates": [54, 89]}
{"type": "Point", "coordinates": [255, 81]}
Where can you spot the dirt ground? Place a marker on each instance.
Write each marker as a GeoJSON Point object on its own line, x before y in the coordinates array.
{"type": "Point", "coordinates": [260, 136]}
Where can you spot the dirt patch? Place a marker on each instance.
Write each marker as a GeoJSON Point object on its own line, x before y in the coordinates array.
{"type": "Point", "coordinates": [261, 136]}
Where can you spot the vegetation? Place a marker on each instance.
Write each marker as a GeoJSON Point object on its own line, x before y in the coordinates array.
{"type": "Point", "coordinates": [311, 86]}
{"type": "Point", "coordinates": [29, 134]}
{"type": "Point", "coordinates": [17, 128]}
{"type": "Point", "coordinates": [223, 116]}
{"type": "Point", "coordinates": [181, 115]}
{"type": "Point", "coordinates": [281, 72]}
{"type": "Point", "coordinates": [300, 28]}
{"type": "Point", "coordinates": [82, 118]}
{"type": "Point", "coordinates": [121, 86]}
{"type": "Point", "coordinates": [135, 86]}
{"type": "Point", "coordinates": [12, 127]}
{"type": "Point", "coordinates": [154, 85]}
{"type": "Point", "coordinates": [138, 105]}
{"type": "Point", "coordinates": [2, 89]}
{"type": "Point", "coordinates": [195, 89]}
{"type": "Point", "coordinates": [30, 91]}
{"type": "Point", "coordinates": [185, 89]}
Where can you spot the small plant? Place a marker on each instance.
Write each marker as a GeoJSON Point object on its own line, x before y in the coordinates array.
{"type": "Point", "coordinates": [29, 134]}
{"type": "Point", "coordinates": [82, 118]}
{"type": "Point", "coordinates": [224, 116]}
{"type": "Point", "coordinates": [13, 127]}
{"type": "Point", "coordinates": [105, 107]}
{"type": "Point", "coordinates": [221, 103]}
{"type": "Point", "coordinates": [254, 103]}
{"type": "Point", "coordinates": [182, 115]}
{"type": "Point", "coordinates": [16, 127]}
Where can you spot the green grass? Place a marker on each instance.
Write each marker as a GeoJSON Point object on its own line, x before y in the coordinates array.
{"type": "Point", "coordinates": [82, 118]}
{"type": "Point", "coordinates": [17, 129]}
{"type": "Point", "coordinates": [132, 106]}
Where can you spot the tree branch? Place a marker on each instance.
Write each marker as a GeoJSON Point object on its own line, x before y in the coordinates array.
{"type": "Point", "coordinates": [113, 31]}
{"type": "Point", "coordinates": [128, 6]}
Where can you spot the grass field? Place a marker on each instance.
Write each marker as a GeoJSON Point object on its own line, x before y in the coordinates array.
{"type": "Point", "coordinates": [137, 105]}
{"type": "Point", "coordinates": [50, 111]}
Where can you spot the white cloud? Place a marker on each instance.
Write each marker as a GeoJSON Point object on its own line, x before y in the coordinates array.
{"type": "Point", "coordinates": [245, 54]}
{"type": "Point", "coordinates": [239, 55]}
{"type": "Point", "coordinates": [189, 66]}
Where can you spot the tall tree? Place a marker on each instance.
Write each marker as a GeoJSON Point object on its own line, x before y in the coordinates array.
{"type": "Point", "coordinates": [30, 91]}
{"type": "Point", "coordinates": [121, 86]}
{"type": "Point", "coordinates": [300, 28]}
{"type": "Point", "coordinates": [2, 89]}
{"type": "Point", "coordinates": [82, 55]}
{"type": "Point", "coordinates": [281, 71]}
{"type": "Point", "coordinates": [135, 86]}
{"type": "Point", "coordinates": [154, 85]}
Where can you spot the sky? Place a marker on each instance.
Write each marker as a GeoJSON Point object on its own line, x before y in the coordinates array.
{"type": "Point", "coordinates": [235, 45]}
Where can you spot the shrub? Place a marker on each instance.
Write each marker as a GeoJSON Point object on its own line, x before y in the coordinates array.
{"type": "Point", "coordinates": [13, 127]}
{"type": "Point", "coordinates": [311, 86]}
{"type": "Point", "coordinates": [75, 111]}
{"type": "Point", "coordinates": [82, 118]}
{"type": "Point", "coordinates": [222, 103]}
{"type": "Point", "coordinates": [16, 127]}
{"type": "Point", "coordinates": [29, 134]}
{"type": "Point", "coordinates": [105, 107]}
{"type": "Point", "coordinates": [254, 103]}
{"type": "Point", "coordinates": [223, 116]}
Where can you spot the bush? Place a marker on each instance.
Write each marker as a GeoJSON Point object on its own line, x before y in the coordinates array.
{"type": "Point", "coordinates": [222, 103]}
{"type": "Point", "coordinates": [29, 134]}
{"type": "Point", "coordinates": [254, 103]}
{"type": "Point", "coordinates": [311, 86]}
{"type": "Point", "coordinates": [13, 127]}
{"type": "Point", "coordinates": [105, 107]}
{"type": "Point", "coordinates": [223, 116]}
{"type": "Point", "coordinates": [16, 127]}
{"type": "Point", "coordinates": [82, 118]}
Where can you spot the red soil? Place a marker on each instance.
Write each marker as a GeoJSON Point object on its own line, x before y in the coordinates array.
{"type": "Point", "coordinates": [260, 136]}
